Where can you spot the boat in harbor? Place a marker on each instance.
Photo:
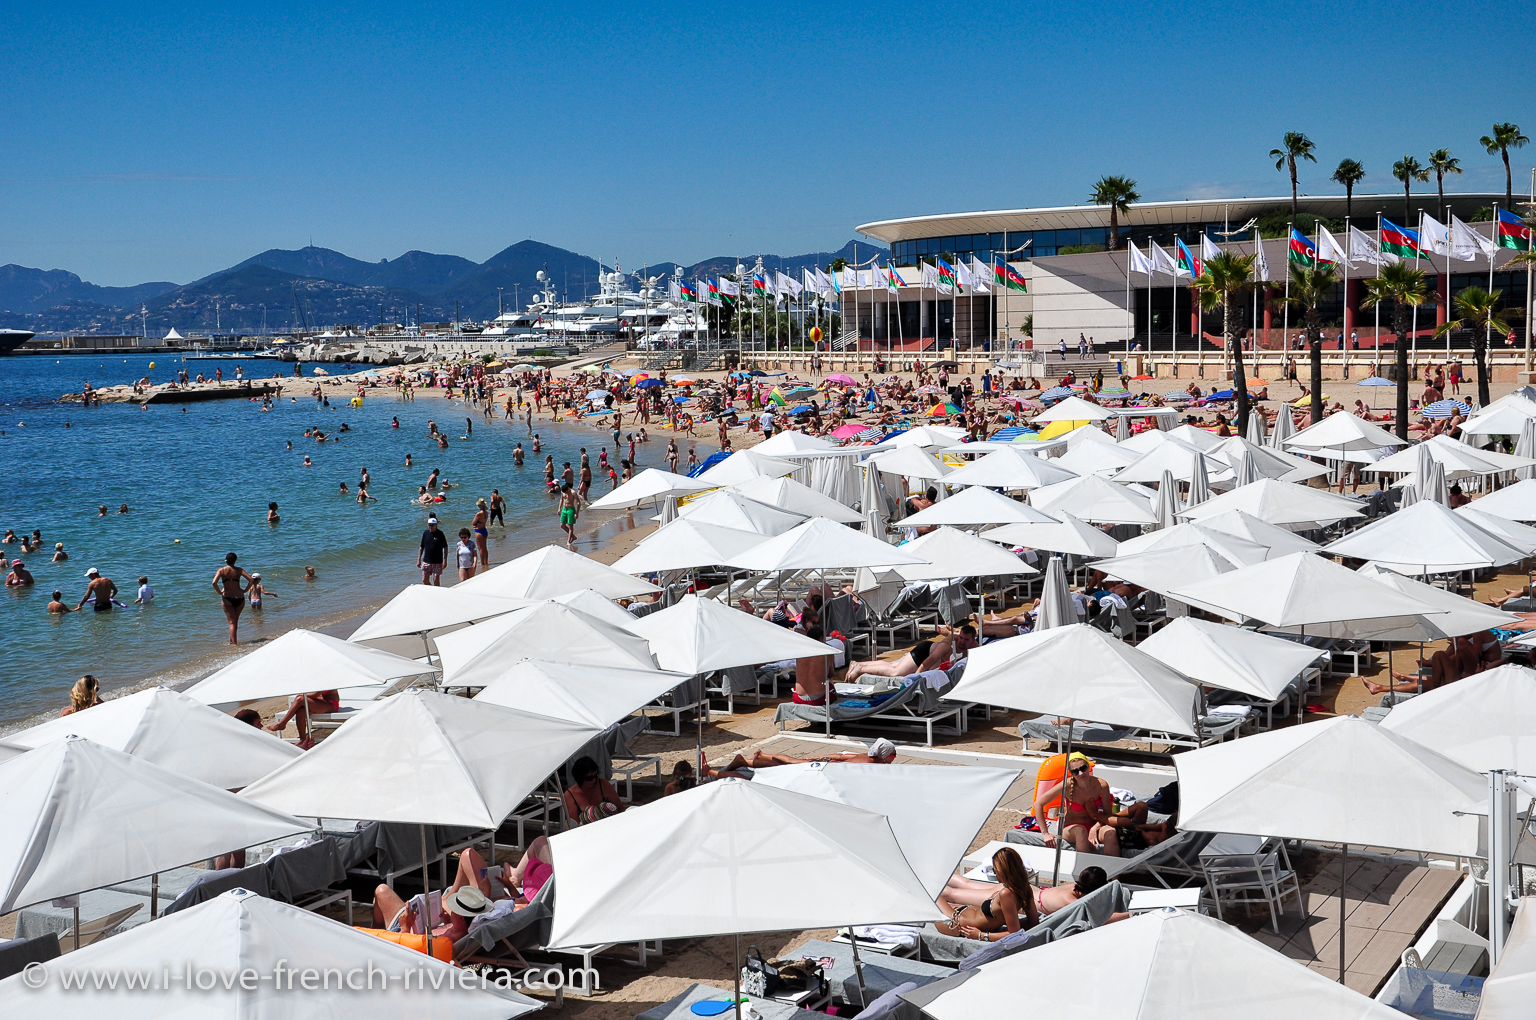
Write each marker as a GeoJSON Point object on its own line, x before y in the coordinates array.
{"type": "Point", "coordinates": [641, 312]}
{"type": "Point", "coordinates": [10, 339]}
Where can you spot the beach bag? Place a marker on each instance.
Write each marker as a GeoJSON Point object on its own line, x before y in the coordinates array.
{"type": "Point", "coordinates": [758, 977]}
{"type": "Point", "coordinates": [802, 973]}
{"type": "Point", "coordinates": [1166, 800]}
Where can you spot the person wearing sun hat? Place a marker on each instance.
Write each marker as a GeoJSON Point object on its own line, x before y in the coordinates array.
{"type": "Point", "coordinates": [1089, 807]}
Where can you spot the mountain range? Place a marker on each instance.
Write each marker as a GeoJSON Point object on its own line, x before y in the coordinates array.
{"type": "Point", "coordinates": [282, 289]}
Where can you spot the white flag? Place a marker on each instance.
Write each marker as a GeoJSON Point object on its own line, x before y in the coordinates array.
{"type": "Point", "coordinates": [1328, 249]}
{"type": "Point", "coordinates": [1363, 249]}
{"type": "Point", "coordinates": [828, 284]}
{"type": "Point", "coordinates": [850, 278]}
{"type": "Point", "coordinates": [730, 287]}
{"type": "Point", "coordinates": [787, 287]}
{"type": "Point", "coordinates": [1260, 263]}
{"type": "Point", "coordinates": [982, 276]}
{"type": "Point", "coordinates": [930, 276]}
{"type": "Point", "coordinates": [1435, 236]}
{"type": "Point", "coordinates": [1208, 249]}
{"type": "Point", "coordinates": [963, 275]}
{"type": "Point", "coordinates": [1139, 262]}
{"type": "Point", "coordinates": [1466, 240]}
{"type": "Point", "coordinates": [1162, 262]}
{"type": "Point", "coordinates": [675, 290]}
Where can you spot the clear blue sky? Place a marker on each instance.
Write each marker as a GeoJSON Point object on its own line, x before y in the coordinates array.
{"type": "Point", "coordinates": [150, 142]}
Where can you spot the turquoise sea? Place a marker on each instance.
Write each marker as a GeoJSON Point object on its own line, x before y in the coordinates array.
{"type": "Point", "coordinates": [198, 482]}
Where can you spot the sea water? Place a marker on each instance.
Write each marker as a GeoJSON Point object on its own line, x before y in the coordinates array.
{"type": "Point", "coordinates": [197, 479]}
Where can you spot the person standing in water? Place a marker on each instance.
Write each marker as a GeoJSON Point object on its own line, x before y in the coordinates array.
{"type": "Point", "coordinates": [570, 504]}
{"type": "Point", "coordinates": [227, 582]}
{"type": "Point", "coordinates": [480, 526]}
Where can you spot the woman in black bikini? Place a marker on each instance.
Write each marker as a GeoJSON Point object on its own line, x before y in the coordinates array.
{"type": "Point", "coordinates": [227, 583]}
{"type": "Point", "coordinates": [995, 916]}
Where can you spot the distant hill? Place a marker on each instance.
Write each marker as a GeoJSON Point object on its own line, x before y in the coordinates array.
{"type": "Point", "coordinates": [33, 290]}
{"type": "Point", "coordinates": [788, 264]}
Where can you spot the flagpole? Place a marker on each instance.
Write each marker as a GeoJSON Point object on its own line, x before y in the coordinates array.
{"type": "Point", "coordinates": [1528, 303]}
{"type": "Point", "coordinates": [1199, 316]}
{"type": "Point", "coordinates": [1380, 258]}
{"type": "Point", "coordinates": [1487, 326]}
{"type": "Point", "coordinates": [1446, 212]}
{"type": "Point", "coordinates": [1173, 349]}
{"type": "Point", "coordinates": [1285, 314]}
{"type": "Point", "coordinates": [1128, 316]}
{"type": "Point", "coordinates": [1256, 244]}
{"type": "Point", "coordinates": [1418, 253]}
{"type": "Point", "coordinates": [1005, 285]}
{"type": "Point", "coordinates": [1349, 322]}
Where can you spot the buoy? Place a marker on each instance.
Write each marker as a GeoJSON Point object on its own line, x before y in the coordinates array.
{"type": "Point", "coordinates": [151, 364]}
{"type": "Point", "coordinates": [178, 541]}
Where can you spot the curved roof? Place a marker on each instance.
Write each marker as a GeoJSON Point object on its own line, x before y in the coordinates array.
{"type": "Point", "coordinates": [1234, 210]}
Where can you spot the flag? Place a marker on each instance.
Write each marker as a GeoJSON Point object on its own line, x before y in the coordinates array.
{"type": "Point", "coordinates": [1467, 244]}
{"type": "Point", "coordinates": [829, 281]}
{"type": "Point", "coordinates": [1007, 277]}
{"type": "Point", "coordinates": [1162, 262]}
{"type": "Point", "coordinates": [1400, 241]}
{"type": "Point", "coordinates": [980, 277]}
{"type": "Point", "coordinates": [930, 276]}
{"type": "Point", "coordinates": [963, 275]}
{"type": "Point", "coordinates": [1303, 251]}
{"type": "Point", "coordinates": [1208, 249]}
{"type": "Point", "coordinates": [947, 280]}
{"type": "Point", "coordinates": [809, 280]}
{"type": "Point", "coordinates": [893, 281]}
{"type": "Point", "coordinates": [1434, 236]}
{"type": "Point", "coordinates": [1260, 263]}
{"type": "Point", "coordinates": [1328, 249]}
{"type": "Point", "coordinates": [1139, 262]}
{"type": "Point", "coordinates": [847, 278]}
{"type": "Point", "coordinates": [675, 292]}
{"type": "Point", "coordinates": [1511, 231]}
{"type": "Point", "coordinates": [759, 285]}
{"type": "Point", "coordinates": [730, 290]}
{"type": "Point", "coordinates": [1188, 264]}
{"type": "Point", "coordinates": [788, 286]}
{"type": "Point", "coordinates": [1363, 249]}
{"type": "Point", "coordinates": [688, 292]}
{"type": "Point", "coordinates": [712, 293]}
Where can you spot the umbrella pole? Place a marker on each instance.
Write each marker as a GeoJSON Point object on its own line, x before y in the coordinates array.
{"type": "Point", "coordinates": [76, 909]}
{"type": "Point", "coordinates": [1343, 879]}
{"type": "Point", "coordinates": [1061, 819]}
{"type": "Point", "coordinates": [426, 891]}
{"type": "Point", "coordinates": [736, 974]}
{"type": "Point", "coordinates": [427, 645]}
{"type": "Point", "coordinates": [154, 895]}
{"type": "Point", "coordinates": [858, 968]}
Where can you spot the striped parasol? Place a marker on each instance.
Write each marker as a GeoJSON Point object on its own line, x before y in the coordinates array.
{"type": "Point", "coordinates": [1444, 409]}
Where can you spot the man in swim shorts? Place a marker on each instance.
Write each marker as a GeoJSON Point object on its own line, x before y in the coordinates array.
{"type": "Point", "coordinates": [432, 553]}
{"type": "Point", "coordinates": [570, 501]}
{"type": "Point", "coordinates": [227, 583]}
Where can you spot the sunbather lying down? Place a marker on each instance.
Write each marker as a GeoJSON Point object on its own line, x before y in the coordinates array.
{"type": "Point", "coordinates": [1462, 657]}
{"type": "Point", "coordinates": [475, 890]}
{"type": "Point", "coordinates": [881, 752]}
{"type": "Point", "coordinates": [925, 655]}
{"type": "Point", "coordinates": [990, 910]}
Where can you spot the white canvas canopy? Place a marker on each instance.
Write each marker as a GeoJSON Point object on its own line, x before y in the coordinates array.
{"type": "Point", "coordinates": [1079, 672]}
{"type": "Point", "coordinates": [1067, 535]}
{"type": "Point", "coordinates": [427, 759]}
{"type": "Point", "coordinates": [172, 731]}
{"type": "Point", "coordinates": [76, 816]}
{"type": "Point", "coordinates": [699, 635]}
{"type": "Point", "coordinates": [909, 462]}
{"type": "Point", "coordinates": [1201, 439]}
{"type": "Point", "coordinates": [685, 544]}
{"type": "Point", "coordinates": [173, 335]}
{"type": "Point", "coordinates": [1508, 991]}
{"type": "Point", "coordinates": [1239, 551]}
{"type": "Point", "coordinates": [1163, 569]}
{"type": "Point", "coordinates": [1178, 458]}
{"type": "Point", "coordinates": [976, 506]}
{"type": "Point", "coordinates": [649, 488]}
{"type": "Point", "coordinates": [727, 509]}
{"type": "Point", "coordinates": [935, 811]}
{"type": "Point", "coordinates": [1498, 421]}
{"type": "Point", "coordinates": [1233, 659]}
{"type": "Point", "coordinates": [953, 553]}
{"type": "Point", "coordinates": [1485, 721]}
{"type": "Point", "coordinates": [1435, 539]}
{"type": "Point", "coordinates": [1168, 965]}
{"type": "Point", "coordinates": [790, 444]}
{"type": "Point", "coordinates": [1095, 459]}
{"type": "Point", "coordinates": [820, 544]}
{"type": "Point", "coordinates": [1299, 590]}
{"type": "Point", "coordinates": [930, 437]}
{"type": "Point", "coordinates": [1458, 459]}
{"type": "Point", "coordinates": [598, 607]}
{"type": "Point", "coordinates": [1007, 469]}
{"type": "Point", "coordinates": [1279, 503]}
{"type": "Point", "coordinates": [1521, 536]}
{"type": "Point", "coordinates": [1098, 501]}
{"type": "Point", "coordinates": [1342, 431]}
{"type": "Point", "coordinates": [1515, 503]}
{"type": "Point", "coordinates": [596, 696]}
{"type": "Point", "coordinates": [745, 464]}
{"type": "Point", "coordinates": [1244, 525]}
{"type": "Point", "coordinates": [801, 499]}
{"type": "Point", "coordinates": [240, 932]}
{"type": "Point", "coordinates": [550, 571]}
{"type": "Point", "coordinates": [1267, 462]}
{"type": "Point", "coordinates": [407, 623]}
{"type": "Point", "coordinates": [1286, 782]}
{"type": "Point", "coordinates": [1074, 409]}
{"type": "Point", "coordinates": [731, 857]}
{"type": "Point", "coordinates": [301, 661]}
{"type": "Point", "coordinates": [474, 656]}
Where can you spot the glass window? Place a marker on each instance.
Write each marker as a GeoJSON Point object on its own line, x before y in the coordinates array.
{"type": "Point", "coordinates": [1042, 239]}
{"type": "Point", "coordinates": [1096, 235]}
{"type": "Point", "coordinates": [998, 242]}
{"type": "Point", "coordinates": [947, 244]}
{"type": "Point", "coordinates": [1066, 237]}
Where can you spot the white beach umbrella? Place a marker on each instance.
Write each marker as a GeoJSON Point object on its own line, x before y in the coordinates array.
{"type": "Point", "coordinates": [1066, 535]}
{"type": "Point", "coordinates": [1436, 539]}
{"type": "Point", "coordinates": [820, 544]}
{"type": "Point", "coordinates": [171, 730]}
{"type": "Point", "coordinates": [1239, 551]}
{"type": "Point", "coordinates": [1231, 658]}
{"type": "Point", "coordinates": [599, 607]}
{"type": "Point", "coordinates": [1169, 964]}
{"type": "Point", "coordinates": [1455, 616]}
{"type": "Point", "coordinates": [1087, 434]}
{"type": "Point", "coordinates": [1164, 569]}
{"type": "Point", "coordinates": [1122, 428]}
{"type": "Point", "coordinates": [1244, 525]}
{"type": "Point", "coordinates": [1199, 486]}
{"type": "Point", "coordinates": [1142, 442]}
{"type": "Point", "coordinates": [1074, 409]}
{"type": "Point", "coordinates": [1526, 447]}
{"type": "Point", "coordinates": [1485, 721]}
{"type": "Point", "coordinates": [1342, 431]}
{"type": "Point", "coordinates": [788, 494]}
{"type": "Point", "coordinates": [793, 444]}
{"type": "Point", "coordinates": [1082, 673]}
{"type": "Point", "coordinates": [1515, 503]}
{"type": "Point", "coordinates": [301, 661]}
{"type": "Point", "coordinates": [726, 509]}
{"type": "Point", "coordinates": [976, 506]}
{"type": "Point", "coordinates": [550, 571]}
{"type": "Point", "coordinates": [1096, 459]}
{"type": "Point", "coordinates": [1280, 503]}
{"type": "Point", "coordinates": [935, 811]}
{"type": "Point", "coordinates": [1299, 590]}
{"type": "Point", "coordinates": [1098, 501]}
{"type": "Point", "coordinates": [1056, 607]}
{"type": "Point", "coordinates": [1192, 435]}
{"type": "Point", "coordinates": [931, 437]}
{"type": "Point", "coordinates": [686, 544]}
{"type": "Point", "coordinates": [240, 933]}
{"type": "Point", "coordinates": [1267, 462]}
{"type": "Point", "coordinates": [726, 858]}
{"type": "Point", "coordinates": [1256, 429]}
{"type": "Point", "coordinates": [1167, 501]}
{"type": "Point", "coordinates": [425, 758]}
{"type": "Point", "coordinates": [745, 464]}
{"type": "Point", "coordinates": [596, 696]}
{"type": "Point", "coordinates": [1007, 469]}
{"type": "Point", "coordinates": [948, 552]}
{"type": "Point", "coordinates": [1508, 990]}
{"type": "Point", "coordinates": [76, 816]}
{"type": "Point", "coordinates": [909, 462]}
{"type": "Point", "coordinates": [1435, 488]}
{"type": "Point", "coordinates": [407, 624]}
{"type": "Point", "coordinates": [1285, 428]}
{"type": "Point", "coordinates": [700, 635]}
{"type": "Point", "coordinates": [872, 504]}
{"type": "Point", "coordinates": [1498, 421]}
{"type": "Point", "coordinates": [668, 511]}
{"type": "Point", "coordinates": [1521, 536]}
{"type": "Point", "coordinates": [1457, 460]}
{"type": "Point", "coordinates": [473, 657]}
{"type": "Point", "coordinates": [1174, 456]}
{"type": "Point", "coordinates": [649, 488]}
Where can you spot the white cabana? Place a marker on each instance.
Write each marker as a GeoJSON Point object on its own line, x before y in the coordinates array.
{"type": "Point", "coordinates": [550, 571]}
{"type": "Point", "coordinates": [649, 488]}
{"type": "Point", "coordinates": [1098, 501]}
{"type": "Point", "coordinates": [240, 933]}
{"type": "Point", "coordinates": [1436, 540]}
{"type": "Point", "coordinates": [1244, 525]}
{"type": "Point", "coordinates": [952, 553]}
{"type": "Point", "coordinates": [700, 635]}
{"type": "Point", "coordinates": [171, 730]}
{"type": "Point", "coordinates": [1082, 673]}
{"type": "Point", "coordinates": [1300, 590]}
{"type": "Point", "coordinates": [1515, 503]}
{"type": "Point", "coordinates": [301, 661]}
{"type": "Point", "coordinates": [407, 624]}
{"type": "Point", "coordinates": [1231, 658]}
{"type": "Point", "coordinates": [727, 509]}
{"type": "Point", "coordinates": [425, 758]}
{"type": "Point", "coordinates": [1239, 551]}
{"type": "Point", "coordinates": [1066, 535]}
{"type": "Point", "coordinates": [1178, 458]}
{"type": "Point", "coordinates": [1074, 409]}
{"type": "Point", "coordinates": [474, 656]}
{"type": "Point", "coordinates": [76, 816]}
{"type": "Point", "coordinates": [935, 811]}
{"type": "Point", "coordinates": [976, 506]}
{"type": "Point", "coordinates": [731, 857]}
{"type": "Point", "coordinates": [1286, 783]}
{"type": "Point", "coordinates": [1169, 965]}
{"type": "Point", "coordinates": [788, 494]}
{"type": "Point", "coordinates": [820, 544]}
{"type": "Point", "coordinates": [1342, 431]}
{"type": "Point", "coordinates": [596, 696]}
{"type": "Point", "coordinates": [794, 444]}
{"type": "Point", "coordinates": [1008, 469]}
{"type": "Point", "coordinates": [1280, 503]}
{"type": "Point", "coordinates": [745, 464]}
{"type": "Point", "coordinates": [909, 462]}
{"type": "Point", "coordinates": [1485, 721]}
{"type": "Point", "coordinates": [686, 544]}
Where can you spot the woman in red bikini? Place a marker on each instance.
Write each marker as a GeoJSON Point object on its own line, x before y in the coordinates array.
{"type": "Point", "coordinates": [1089, 807]}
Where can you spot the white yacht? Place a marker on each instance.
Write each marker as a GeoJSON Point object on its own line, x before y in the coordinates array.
{"type": "Point", "coordinates": [636, 313]}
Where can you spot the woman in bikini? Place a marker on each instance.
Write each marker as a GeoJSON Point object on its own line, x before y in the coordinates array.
{"type": "Point", "coordinates": [591, 797]}
{"type": "Point", "coordinates": [1087, 824]}
{"type": "Point", "coordinates": [480, 526]}
{"type": "Point", "coordinates": [987, 911]}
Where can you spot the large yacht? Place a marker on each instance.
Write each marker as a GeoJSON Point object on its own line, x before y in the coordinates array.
{"type": "Point", "coordinates": [638, 313]}
{"type": "Point", "coordinates": [10, 339]}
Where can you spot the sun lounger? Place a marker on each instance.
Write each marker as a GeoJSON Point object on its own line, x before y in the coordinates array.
{"type": "Point", "coordinates": [96, 928]}
{"type": "Point", "coordinates": [1175, 858]}
{"type": "Point", "coordinates": [17, 954]}
{"type": "Point", "coordinates": [678, 1007]}
{"type": "Point", "coordinates": [1213, 729]}
{"type": "Point", "coordinates": [1086, 914]}
{"type": "Point", "coordinates": [881, 973]}
{"type": "Point", "coordinates": [903, 709]}
{"type": "Point", "coordinates": [685, 697]}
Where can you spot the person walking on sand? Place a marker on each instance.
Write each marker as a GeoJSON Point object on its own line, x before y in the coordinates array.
{"type": "Point", "coordinates": [227, 582]}
{"type": "Point", "coordinates": [432, 554]}
{"type": "Point", "coordinates": [570, 504]}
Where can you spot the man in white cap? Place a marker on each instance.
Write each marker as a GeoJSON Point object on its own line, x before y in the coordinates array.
{"type": "Point", "coordinates": [432, 554]}
{"type": "Point", "coordinates": [100, 589]}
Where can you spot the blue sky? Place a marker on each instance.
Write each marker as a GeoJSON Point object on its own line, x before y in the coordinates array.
{"type": "Point", "coordinates": [149, 142]}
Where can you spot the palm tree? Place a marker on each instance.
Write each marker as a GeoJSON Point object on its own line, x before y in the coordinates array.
{"type": "Point", "coordinates": [1294, 146]}
{"type": "Point", "coordinates": [1403, 286]}
{"type": "Point", "coordinates": [1409, 169]}
{"type": "Point", "coordinates": [1504, 138]}
{"type": "Point", "coordinates": [1442, 162]}
{"type": "Point", "coordinates": [1349, 172]}
{"type": "Point", "coordinates": [1310, 286]}
{"type": "Point", "coordinates": [1118, 193]}
{"type": "Point", "coordinates": [1478, 311]}
{"type": "Point", "coordinates": [1226, 275]}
